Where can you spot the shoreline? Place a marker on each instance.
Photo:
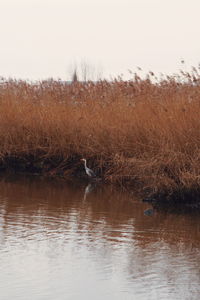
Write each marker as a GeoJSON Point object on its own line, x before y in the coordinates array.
{"type": "Point", "coordinates": [67, 170]}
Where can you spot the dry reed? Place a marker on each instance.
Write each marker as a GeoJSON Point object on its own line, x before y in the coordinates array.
{"type": "Point", "coordinates": [132, 132]}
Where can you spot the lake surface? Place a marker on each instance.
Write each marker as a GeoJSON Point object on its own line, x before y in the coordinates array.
{"type": "Point", "coordinates": [62, 240]}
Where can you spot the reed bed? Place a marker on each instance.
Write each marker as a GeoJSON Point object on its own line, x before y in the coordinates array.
{"type": "Point", "coordinates": [138, 133]}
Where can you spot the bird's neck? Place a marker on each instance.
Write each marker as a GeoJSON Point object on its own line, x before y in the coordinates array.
{"type": "Point", "coordinates": [85, 163]}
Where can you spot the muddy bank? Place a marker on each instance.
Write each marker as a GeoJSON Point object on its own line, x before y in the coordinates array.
{"type": "Point", "coordinates": [172, 200]}
{"type": "Point", "coordinates": [51, 166]}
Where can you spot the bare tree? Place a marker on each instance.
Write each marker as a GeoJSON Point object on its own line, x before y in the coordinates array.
{"type": "Point", "coordinates": [84, 71]}
{"type": "Point", "coordinates": [87, 71]}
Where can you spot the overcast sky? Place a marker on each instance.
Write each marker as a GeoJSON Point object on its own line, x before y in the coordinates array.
{"type": "Point", "coordinates": [44, 38]}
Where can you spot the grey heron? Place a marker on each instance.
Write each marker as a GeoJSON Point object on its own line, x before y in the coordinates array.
{"type": "Point", "coordinates": [88, 171]}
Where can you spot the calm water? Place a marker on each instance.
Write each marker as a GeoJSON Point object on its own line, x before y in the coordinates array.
{"type": "Point", "coordinates": [73, 241]}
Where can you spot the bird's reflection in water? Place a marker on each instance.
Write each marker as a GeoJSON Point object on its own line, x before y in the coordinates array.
{"type": "Point", "coordinates": [88, 189]}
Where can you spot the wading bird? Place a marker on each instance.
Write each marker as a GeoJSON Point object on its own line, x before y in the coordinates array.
{"type": "Point", "coordinates": [88, 171]}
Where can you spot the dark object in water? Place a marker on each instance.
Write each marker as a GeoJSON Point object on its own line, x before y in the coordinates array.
{"type": "Point", "coordinates": [149, 212]}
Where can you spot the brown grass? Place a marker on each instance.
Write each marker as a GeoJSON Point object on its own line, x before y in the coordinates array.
{"type": "Point", "coordinates": [132, 132]}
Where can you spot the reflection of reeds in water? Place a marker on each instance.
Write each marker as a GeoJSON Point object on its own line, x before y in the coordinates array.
{"type": "Point", "coordinates": [133, 132]}
{"type": "Point", "coordinates": [49, 220]}
{"type": "Point", "coordinates": [110, 213]}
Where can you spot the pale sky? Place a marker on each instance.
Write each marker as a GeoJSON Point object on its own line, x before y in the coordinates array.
{"type": "Point", "coordinates": [44, 38]}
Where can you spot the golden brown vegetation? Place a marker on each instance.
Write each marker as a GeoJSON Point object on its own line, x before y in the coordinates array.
{"type": "Point", "coordinates": [132, 132]}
